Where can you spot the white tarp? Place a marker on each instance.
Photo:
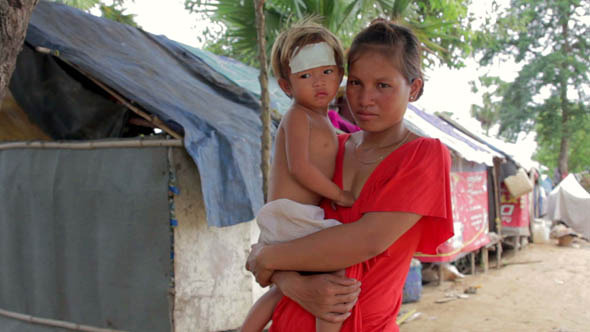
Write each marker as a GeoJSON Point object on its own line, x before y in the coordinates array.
{"type": "Point", "coordinates": [570, 203]}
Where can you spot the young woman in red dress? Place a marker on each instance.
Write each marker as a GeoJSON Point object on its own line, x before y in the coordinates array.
{"type": "Point", "coordinates": [403, 203]}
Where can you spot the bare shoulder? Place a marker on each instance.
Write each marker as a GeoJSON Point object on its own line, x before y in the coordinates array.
{"type": "Point", "coordinates": [295, 116]}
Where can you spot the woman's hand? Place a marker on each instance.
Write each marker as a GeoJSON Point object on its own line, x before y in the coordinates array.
{"type": "Point", "coordinates": [253, 265]}
{"type": "Point", "coordinates": [327, 296]}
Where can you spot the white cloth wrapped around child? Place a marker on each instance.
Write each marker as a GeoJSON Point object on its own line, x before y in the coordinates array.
{"type": "Point", "coordinates": [284, 220]}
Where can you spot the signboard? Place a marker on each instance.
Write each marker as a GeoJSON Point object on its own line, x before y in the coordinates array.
{"type": "Point", "coordinates": [514, 213]}
{"type": "Point", "coordinates": [469, 196]}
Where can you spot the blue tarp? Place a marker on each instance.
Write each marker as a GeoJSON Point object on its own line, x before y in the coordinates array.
{"type": "Point", "coordinates": [220, 120]}
{"type": "Point", "coordinates": [245, 76]}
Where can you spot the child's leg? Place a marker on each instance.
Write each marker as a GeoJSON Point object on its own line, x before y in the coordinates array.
{"type": "Point", "coordinates": [261, 312]}
{"type": "Point", "coordinates": [322, 325]}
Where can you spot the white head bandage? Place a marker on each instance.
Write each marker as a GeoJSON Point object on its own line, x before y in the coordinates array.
{"type": "Point", "coordinates": [312, 56]}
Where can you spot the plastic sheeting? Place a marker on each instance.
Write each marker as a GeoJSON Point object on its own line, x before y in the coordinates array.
{"type": "Point", "coordinates": [245, 76]}
{"type": "Point", "coordinates": [570, 203]}
{"type": "Point", "coordinates": [85, 238]}
{"type": "Point", "coordinates": [62, 106]}
{"type": "Point", "coordinates": [431, 126]}
{"type": "Point", "coordinates": [220, 120]}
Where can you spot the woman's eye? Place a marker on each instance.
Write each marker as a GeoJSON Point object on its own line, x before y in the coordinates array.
{"type": "Point", "coordinates": [383, 85]}
{"type": "Point", "coordinates": [305, 76]}
{"type": "Point", "coordinates": [353, 82]}
{"type": "Point", "coordinates": [328, 71]}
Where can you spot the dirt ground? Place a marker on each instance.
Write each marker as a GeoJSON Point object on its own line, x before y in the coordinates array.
{"type": "Point", "coordinates": [542, 287]}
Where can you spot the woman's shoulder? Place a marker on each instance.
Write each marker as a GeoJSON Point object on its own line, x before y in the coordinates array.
{"type": "Point", "coordinates": [428, 152]}
{"type": "Point", "coordinates": [428, 141]}
{"type": "Point", "coordinates": [429, 144]}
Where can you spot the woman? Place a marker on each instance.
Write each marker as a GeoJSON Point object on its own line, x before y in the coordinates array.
{"type": "Point", "coordinates": [403, 205]}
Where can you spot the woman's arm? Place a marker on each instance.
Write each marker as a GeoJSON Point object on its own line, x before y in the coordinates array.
{"type": "Point", "coordinates": [327, 296]}
{"type": "Point", "coordinates": [340, 246]}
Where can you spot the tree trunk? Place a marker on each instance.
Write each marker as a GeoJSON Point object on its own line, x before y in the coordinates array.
{"type": "Point", "coordinates": [562, 162]}
{"type": "Point", "coordinates": [264, 98]}
{"type": "Point", "coordinates": [14, 18]}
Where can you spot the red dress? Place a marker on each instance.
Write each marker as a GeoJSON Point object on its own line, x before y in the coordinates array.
{"type": "Point", "coordinates": [413, 178]}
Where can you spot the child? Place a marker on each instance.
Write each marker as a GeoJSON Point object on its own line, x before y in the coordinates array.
{"type": "Point", "coordinates": [309, 63]}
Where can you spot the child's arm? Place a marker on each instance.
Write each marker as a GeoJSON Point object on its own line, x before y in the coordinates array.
{"type": "Point", "coordinates": [297, 130]}
{"type": "Point", "coordinates": [261, 312]}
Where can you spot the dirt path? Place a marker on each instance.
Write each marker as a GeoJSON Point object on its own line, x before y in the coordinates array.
{"type": "Point", "coordinates": [550, 295]}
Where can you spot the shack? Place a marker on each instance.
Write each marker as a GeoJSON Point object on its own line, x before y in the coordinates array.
{"type": "Point", "coordinates": [472, 186]}
{"type": "Point", "coordinates": [128, 211]}
{"type": "Point", "coordinates": [514, 214]}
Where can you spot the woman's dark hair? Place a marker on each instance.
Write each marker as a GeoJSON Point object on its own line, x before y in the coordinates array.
{"type": "Point", "coordinates": [393, 41]}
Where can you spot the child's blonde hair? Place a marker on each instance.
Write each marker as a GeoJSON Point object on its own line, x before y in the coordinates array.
{"type": "Point", "coordinates": [306, 31]}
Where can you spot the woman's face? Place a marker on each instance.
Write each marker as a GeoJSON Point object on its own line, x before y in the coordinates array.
{"type": "Point", "coordinates": [377, 92]}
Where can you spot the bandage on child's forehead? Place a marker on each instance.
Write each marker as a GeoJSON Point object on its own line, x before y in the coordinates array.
{"type": "Point", "coordinates": [312, 56]}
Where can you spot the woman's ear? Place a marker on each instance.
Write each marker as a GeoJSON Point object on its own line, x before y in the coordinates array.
{"type": "Point", "coordinates": [415, 88]}
{"type": "Point", "coordinates": [285, 86]}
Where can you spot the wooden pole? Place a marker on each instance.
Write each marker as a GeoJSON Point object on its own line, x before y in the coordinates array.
{"type": "Point", "coordinates": [496, 178]}
{"type": "Point", "coordinates": [136, 143]}
{"type": "Point", "coordinates": [53, 322]}
{"type": "Point", "coordinates": [266, 139]}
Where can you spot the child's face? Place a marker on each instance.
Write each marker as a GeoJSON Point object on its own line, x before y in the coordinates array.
{"type": "Point", "coordinates": [313, 88]}
{"type": "Point", "coordinates": [377, 92]}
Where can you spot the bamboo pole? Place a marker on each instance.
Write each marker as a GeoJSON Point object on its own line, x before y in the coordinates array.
{"type": "Point", "coordinates": [151, 118]}
{"type": "Point", "coordinates": [266, 139]}
{"type": "Point", "coordinates": [138, 143]}
{"type": "Point", "coordinates": [53, 322]}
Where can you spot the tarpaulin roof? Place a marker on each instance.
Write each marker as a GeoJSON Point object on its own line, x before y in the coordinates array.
{"type": "Point", "coordinates": [244, 76]}
{"type": "Point", "coordinates": [221, 121]}
{"type": "Point", "coordinates": [422, 122]}
{"type": "Point", "coordinates": [431, 126]}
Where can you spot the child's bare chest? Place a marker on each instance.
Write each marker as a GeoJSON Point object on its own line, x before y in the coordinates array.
{"type": "Point", "coordinates": [322, 138]}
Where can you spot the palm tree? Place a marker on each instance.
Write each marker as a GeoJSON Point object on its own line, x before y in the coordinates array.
{"type": "Point", "coordinates": [441, 25]}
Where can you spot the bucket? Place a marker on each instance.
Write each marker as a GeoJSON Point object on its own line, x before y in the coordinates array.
{"type": "Point", "coordinates": [540, 228]}
{"type": "Point", "coordinates": [413, 285]}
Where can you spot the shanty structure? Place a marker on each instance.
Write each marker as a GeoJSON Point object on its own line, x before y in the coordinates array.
{"type": "Point", "coordinates": [472, 186]}
{"type": "Point", "coordinates": [513, 214]}
{"type": "Point", "coordinates": [104, 223]}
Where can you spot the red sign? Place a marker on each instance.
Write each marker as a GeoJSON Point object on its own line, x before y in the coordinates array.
{"type": "Point", "coordinates": [469, 196]}
{"type": "Point", "coordinates": [514, 212]}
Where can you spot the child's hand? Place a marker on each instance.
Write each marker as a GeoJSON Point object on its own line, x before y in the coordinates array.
{"type": "Point", "coordinates": [346, 199]}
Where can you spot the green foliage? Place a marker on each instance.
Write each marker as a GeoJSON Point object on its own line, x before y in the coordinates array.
{"type": "Point", "coordinates": [80, 4]}
{"type": "Point", "coordinates": [441, 25]}
{"type": "Point", "coordinates": [549, 93]}
{"type": "Point", "coordinates": [549, 144]}
{"type": "Point", "coordinates": [116, 13]}
{"type": "Point", "coordinates": [488, 114]}
{"type": "Point", "coordinates": [113, 11]}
